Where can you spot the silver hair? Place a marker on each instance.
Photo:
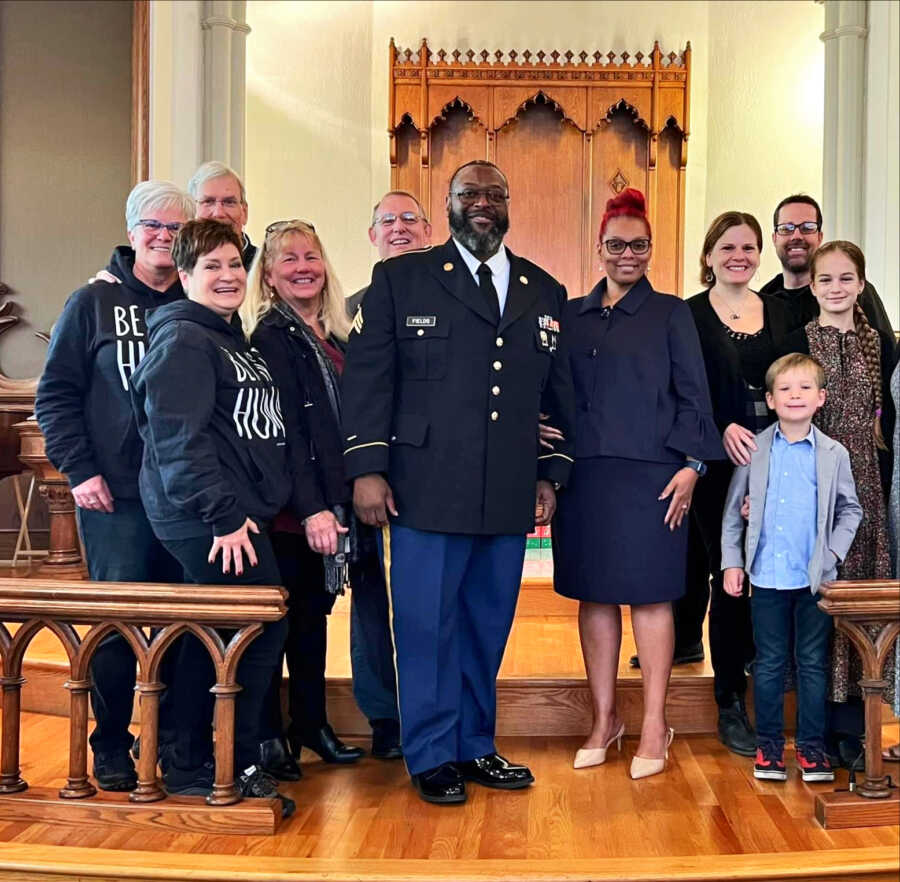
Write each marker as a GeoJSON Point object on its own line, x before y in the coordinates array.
{"type": "Point", "coordinates": [405, 193]}
{"type": "Point", "coordinates": [210, 170]}
{"type": "Point", "coordinates": [151, 195]}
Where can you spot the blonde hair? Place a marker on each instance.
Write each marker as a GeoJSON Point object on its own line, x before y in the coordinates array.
{"type": "Point", "coordinates": [790, 362]}
{"type": "Point", "coordinates": [261, 296]}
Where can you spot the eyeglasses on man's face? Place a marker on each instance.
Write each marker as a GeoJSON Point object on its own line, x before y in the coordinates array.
{"type": "Point", "coordinates": [494, 195]}
{"type": "Point", "coordinates": [807, 228]}
{"type": "Point", "coordinates": [154, 226]}
{"type": "Point", "coordinates": [388, 220]}
{"type": "Point", "coordinates": [618, 246]}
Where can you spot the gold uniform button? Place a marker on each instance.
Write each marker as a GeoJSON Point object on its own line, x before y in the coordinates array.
{"type": "Point", "coordinates": [499, 341]}
{"type": "Point", "coordinates": [420, 332]}
{"type": "Point", "coordinates": [498, 365]}
{"type": "Point", "coordinates": [495, 416]}
{"type": "Point", "coordinates": [495, 390]}
{"type": "Point", "coordinates": [448, 267]}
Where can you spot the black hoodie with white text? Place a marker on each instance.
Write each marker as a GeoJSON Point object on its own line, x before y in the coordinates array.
{"type": "Point", "coordinates": [215, 446]}
{"type": "Point", "coordinates": [83, 404]}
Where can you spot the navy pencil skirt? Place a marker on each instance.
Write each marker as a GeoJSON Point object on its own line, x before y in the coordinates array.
{"type": "Point", "coordinates": [610, 544]}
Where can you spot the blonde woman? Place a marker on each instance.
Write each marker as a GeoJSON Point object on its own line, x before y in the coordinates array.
{"type": "Point", "coordinates": [295, 316]}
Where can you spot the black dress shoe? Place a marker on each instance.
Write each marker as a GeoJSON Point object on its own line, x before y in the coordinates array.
{"type": "Point", "coordinates": [495, 771]}
{"type": "Point", "coordinates": [114, 771]}
{"type": "Point", "coordinates": [275, 760]}
{"type": "Point", "coordinates": [386, 739]}
{"type": "Point", "coordinates": [442, 785]}
{"type": "Point", "coordinates": [325, 743]}
{"type": "Point", "coordinates": [683, 655]}
{"type": "Point", "coordinates": [735, 731]}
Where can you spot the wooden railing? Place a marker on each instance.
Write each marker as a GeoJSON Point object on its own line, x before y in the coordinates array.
{"type": "Point", "coordinates": [868, 612]}
{"type": "Point", "coordinates": [150, 617]}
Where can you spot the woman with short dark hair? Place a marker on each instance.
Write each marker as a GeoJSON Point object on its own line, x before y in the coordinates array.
{"type": "Point", "coordinates": [216, 471]}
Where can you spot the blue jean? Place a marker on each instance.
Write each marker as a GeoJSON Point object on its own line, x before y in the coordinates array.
{"type": "Point", "coordinates": [120, 547]}
{"type": "Point", "coordinates": [371, 647]}
{"type": "Point", "coordinates": [777, 615]}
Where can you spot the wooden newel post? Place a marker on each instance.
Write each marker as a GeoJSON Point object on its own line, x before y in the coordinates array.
{"type": "Point", "coordinates": [149, 788]}
{"type": "Point", "coordinates": [868, 612]}
{"type": "Point", "coordinates": [78, 786]}
{"type": "Point", "coordinates": [224, 792]}
{"type": "Point", "coordinates": [10, 779]}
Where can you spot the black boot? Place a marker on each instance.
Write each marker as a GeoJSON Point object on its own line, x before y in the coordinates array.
{"type": "Point", "coordinates": [386, 739]}
{"type": "Point", "coordinates": [325, 743]}
{"type": "Point", "coordinates": [275, 759]}
{"type": "Point", "coordinates": [735, 731]}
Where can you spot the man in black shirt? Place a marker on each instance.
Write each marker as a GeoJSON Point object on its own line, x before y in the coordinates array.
{"type": "Point", "coordinates": [796, 235]}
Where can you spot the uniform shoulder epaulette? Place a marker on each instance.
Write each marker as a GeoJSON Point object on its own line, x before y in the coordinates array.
{"type": "Point", "coordinates": [404, 253]}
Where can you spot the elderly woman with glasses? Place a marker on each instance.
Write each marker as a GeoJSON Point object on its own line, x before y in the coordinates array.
{"type": "Point", "coordinates": [295, 314]}
{"type": "Point", "coordinates": [84, 410]}
{"type": "Point", "coordinates": [643, 431]}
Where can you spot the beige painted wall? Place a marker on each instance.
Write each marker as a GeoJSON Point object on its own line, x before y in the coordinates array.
{"type": "Point", "coordinates": [65, 156]}
{"type": "Point", "coordinates": [766, 94]}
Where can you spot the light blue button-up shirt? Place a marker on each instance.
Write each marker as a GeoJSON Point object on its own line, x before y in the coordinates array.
{"type": "Point", "coordinates": [788, 533]}
{"type": "Point", "coordinates": [499, 265]}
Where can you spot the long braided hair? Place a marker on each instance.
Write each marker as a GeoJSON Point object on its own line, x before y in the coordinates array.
{"type": "Point", "coordinates": [869, 341]}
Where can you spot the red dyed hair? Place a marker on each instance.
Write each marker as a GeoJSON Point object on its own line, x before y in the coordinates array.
{"type": "Point", "coordinates": [629, 203]}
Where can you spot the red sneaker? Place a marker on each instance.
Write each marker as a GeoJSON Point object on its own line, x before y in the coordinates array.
{"type": "Point", "coordinates": [769, 764]}
{"type": "Point", "coordinates": [814, 764]}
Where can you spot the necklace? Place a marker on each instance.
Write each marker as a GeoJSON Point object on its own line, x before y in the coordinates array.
{"type": "Point", "coordinates": [733, 314]}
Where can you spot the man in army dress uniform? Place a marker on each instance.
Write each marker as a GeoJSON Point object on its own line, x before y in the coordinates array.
{"type": "Point", "coordinates": [455, 353]}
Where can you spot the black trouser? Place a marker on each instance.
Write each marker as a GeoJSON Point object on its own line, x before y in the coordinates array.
{"type": "Point", "coordinates": [303, 575]}
{"type": "Point", "coordinates": [193, 703]}
{"type": "Point", "coordinates": [689, 610]}
{"type": "Point", "coordinates": [730, 627]}
{"type": "Point", "coordinates": [120, 547]}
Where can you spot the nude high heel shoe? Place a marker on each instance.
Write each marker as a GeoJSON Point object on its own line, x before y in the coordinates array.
{"type": "Point", "coordinates": [594, 756]}
{"type": "Point", "coordinates": [644, 766]}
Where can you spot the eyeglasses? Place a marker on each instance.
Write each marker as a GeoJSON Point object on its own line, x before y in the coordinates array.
{"type": "Point", "coordinates": [387, 220]}
{"type": "Point", "coordinates": [280, 225]}
{"type": "Point", "coordinates": [494, 196]}
{"type": "Point", "coordinates": [618, 246]}
{"type": "Point", "coordinates": [154, 226]}
{"type": "Point", "coordinates": [227, 202]}
{"type": "Point", "coordinates": [807, 228]}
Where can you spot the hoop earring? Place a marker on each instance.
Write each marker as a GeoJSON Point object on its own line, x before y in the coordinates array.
{"type": "Point", "coordinates": [709, 276]}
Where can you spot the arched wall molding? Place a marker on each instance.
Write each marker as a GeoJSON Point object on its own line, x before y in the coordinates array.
{"type": "Point", "coordinates": [589, 92]}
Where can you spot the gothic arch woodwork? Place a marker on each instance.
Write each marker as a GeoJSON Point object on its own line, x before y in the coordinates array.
{"type": "Point", "coordinates": [569, 130]}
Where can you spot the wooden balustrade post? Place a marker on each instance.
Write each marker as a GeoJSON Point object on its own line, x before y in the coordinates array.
{"type": "Point", "coordinates": [224, 792]}
{"type": "Point", "coordinates": [10, 780]}
{"type": "Point", "coordinates": [875, 784]}
{"type": "Point", "coordinates": [78, 786]}
{"type": "Point", "coordinates": [149, 788]}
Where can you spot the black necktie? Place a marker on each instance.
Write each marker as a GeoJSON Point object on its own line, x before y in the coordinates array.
{"type": "Point", "coordinates": [488, 289]}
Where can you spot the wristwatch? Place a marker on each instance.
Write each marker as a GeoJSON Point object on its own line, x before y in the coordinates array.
{"type": "Point", "coordinates": [697, 465]}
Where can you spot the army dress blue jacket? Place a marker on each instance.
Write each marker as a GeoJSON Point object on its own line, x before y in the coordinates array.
{"type": "Point", "coordinates": [444, 401]}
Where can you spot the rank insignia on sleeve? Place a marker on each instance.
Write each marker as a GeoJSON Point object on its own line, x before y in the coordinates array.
{"type": "Point", "coordinates": [358, 320]}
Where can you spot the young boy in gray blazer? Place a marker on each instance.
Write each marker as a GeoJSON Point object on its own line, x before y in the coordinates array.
{"type": "Point", "coordinates": [803, 516]}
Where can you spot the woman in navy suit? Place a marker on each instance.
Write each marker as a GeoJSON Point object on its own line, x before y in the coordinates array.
{"type": "Point", "coordinates": [644, 427]}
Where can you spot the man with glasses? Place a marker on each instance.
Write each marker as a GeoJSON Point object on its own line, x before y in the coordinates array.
{"type": "Point", "coordinates": [454, 354]}
{"type": "Point", "coordinates": [398, 225]}
{"type": "Point", "coordinates": [220, 195]}
{"type": "Point", "coordinates": [797, 234]}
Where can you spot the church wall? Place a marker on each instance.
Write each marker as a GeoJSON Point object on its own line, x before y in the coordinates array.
{"type": "Point", "coordinates": [65, 157]}
{"type": "Point", "coordinates": [766, 95]}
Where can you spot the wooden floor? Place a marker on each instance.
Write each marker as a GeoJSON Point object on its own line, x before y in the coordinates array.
{"type": "Point", "coordinates": [706, 811]}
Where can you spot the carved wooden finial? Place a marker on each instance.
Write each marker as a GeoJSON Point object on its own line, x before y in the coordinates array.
{"type": "Point", "coordinates": [470, 54]}
{"type": "Point", "coordinates": [527, 56]}
{"type": "Point", "coordinates": [442, 55]}
{"type": "Point", "coordinates": [597, 57]}
{"type": "Point", "coordinates": [408, 55]}
{"type": "Point", "coordinates": [499, 56]}
{"type": "Point", "coordinates": [671, 56]}
{"type": "Point", "coordinates": [569, 56]}
{"type": "Point", "coordinates": [513, 55]}
{"type": "Point", "coordinates": [583, 56]}
{"type": "Point", "coordinates": [541, 55]}
{"type": "Point", "coordinates": [625, 57]}
{"type": "Point", "coordinates": [611, 56]}
{"type": "Point", "coordinates": [555, 56]}
{"type": "Point", "coordinates": [456, 53]}
{"type": "Point", "coordinates": [484, 56]}
{"type": "Point", "coordinates": [639, 56]}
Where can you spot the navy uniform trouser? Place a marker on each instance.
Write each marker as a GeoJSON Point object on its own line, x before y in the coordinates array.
{"type": "Point", "coordinates": [120, 547]}
{"type": "Point", "coordinates": [453, 598]}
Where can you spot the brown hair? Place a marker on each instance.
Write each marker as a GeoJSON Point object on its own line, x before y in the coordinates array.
{"type": "Point", "coordinates": [721, 225]}
{"type": "Point", "coordinates": [199, 237]}
{"type": "Point", "coordinates": [798, 199]}
{"type": "Point", "coordinates": [790, 362]}
{"type": "Point", "coordinates": [869, 341]}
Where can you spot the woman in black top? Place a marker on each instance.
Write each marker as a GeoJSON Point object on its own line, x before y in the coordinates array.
{"type": "Point", "coordinates": [741, 334]}
{"type": "Point", "coordinates": [296, 315]}
{"type": "Point", "coordinates": [216, 470]}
